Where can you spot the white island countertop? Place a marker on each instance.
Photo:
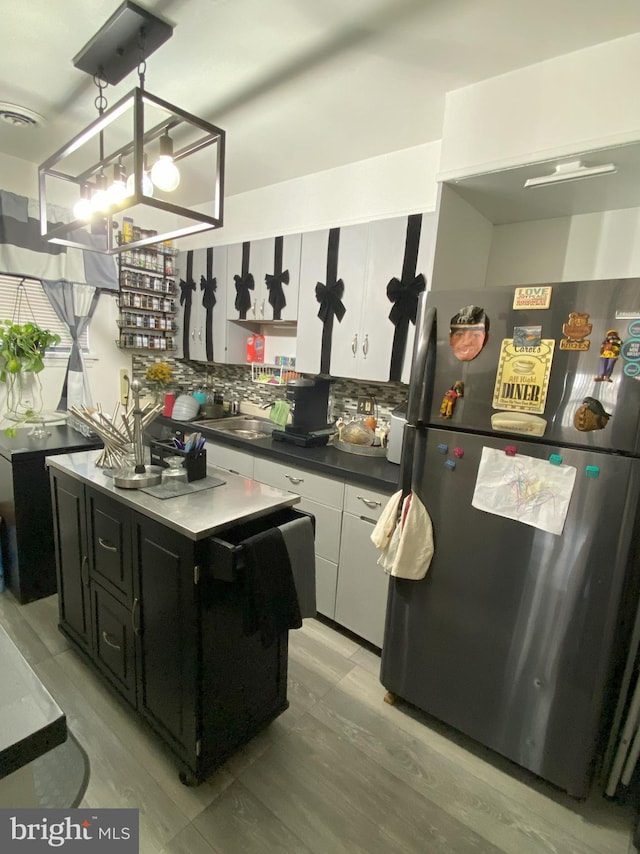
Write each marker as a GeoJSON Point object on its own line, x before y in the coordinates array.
{"type": "Point", "coordinates": [196, 515]}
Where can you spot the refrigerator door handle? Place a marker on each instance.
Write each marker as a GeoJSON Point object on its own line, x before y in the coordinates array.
{"type": "Point", "coordinates": [418, 393]}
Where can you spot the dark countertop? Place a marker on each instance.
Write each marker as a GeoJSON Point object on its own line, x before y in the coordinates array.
{"type": "Point", "coordinates": [375, 472]}
{"type": "Point", "coordinates": [31, 722]}
{"type": "Point", "coordinates": [61, 439]}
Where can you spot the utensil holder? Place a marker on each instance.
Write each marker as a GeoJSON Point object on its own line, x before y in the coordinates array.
{"type": "Point", "coordinates": [195, 462]}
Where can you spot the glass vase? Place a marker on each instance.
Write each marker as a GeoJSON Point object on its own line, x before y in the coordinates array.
{"type": "Point", "coordinates": [24, 397]}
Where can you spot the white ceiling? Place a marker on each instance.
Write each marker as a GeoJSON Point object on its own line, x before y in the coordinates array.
{"type": "Point", "coordinates": [299, 85]}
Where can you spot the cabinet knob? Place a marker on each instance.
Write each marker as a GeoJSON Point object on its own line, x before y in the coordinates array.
{"type": "Point", "coordinates": [354, 344]}
{"type": "Point", "coordinates": [365, 345]}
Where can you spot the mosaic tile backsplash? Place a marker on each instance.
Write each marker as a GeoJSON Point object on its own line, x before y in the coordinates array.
{"type": "Point", "coordinates": [234, 382]}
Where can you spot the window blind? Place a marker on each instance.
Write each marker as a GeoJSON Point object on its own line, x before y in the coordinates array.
{"type": "Point", "coordinates": [35, 307]}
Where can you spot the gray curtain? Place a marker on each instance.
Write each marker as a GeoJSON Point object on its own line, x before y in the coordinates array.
{"type": "Point", "coordinates": [23, 252]}
{"type": "Point", "coordinates": [74, 304]}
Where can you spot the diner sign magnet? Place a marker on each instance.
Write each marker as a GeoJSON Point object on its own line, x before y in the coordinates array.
{"type": "Point", "coordinates": [522, 379]}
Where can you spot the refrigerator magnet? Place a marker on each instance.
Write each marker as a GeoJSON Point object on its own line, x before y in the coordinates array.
{"type": "Point", "coordinates": [609, 354]}
{"type": "Point", "coordinates": [590, 415]}
{"type": "Point", "coordinates": [522, 378]}
{"type": "Point", "coordinates": [450, 397]}
{"type": "Point", "coordinates": [532, 297]}
{"type": "Point", "coordinates": [576, 330]}
{"type": "Point", "coordinates": [468, 331]}
{"type": "Point", "coordinates": [527, 336]}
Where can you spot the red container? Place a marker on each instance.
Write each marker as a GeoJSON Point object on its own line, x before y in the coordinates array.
{"type": "Point", "coordinates": [169, 400]}
{"type": "Point", "coordinates": [251, 351]}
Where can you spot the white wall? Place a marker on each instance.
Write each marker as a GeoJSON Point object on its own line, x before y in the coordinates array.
{"type": "Point", "coordinates": [390, 185]}
{"type": "Point", "coordinates": [580, 101]}
{"type": "Point", "coordinates": [591, 246]}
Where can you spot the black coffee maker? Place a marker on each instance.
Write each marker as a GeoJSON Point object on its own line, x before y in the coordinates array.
{"type": "Point", "coordinates": [309, 400]}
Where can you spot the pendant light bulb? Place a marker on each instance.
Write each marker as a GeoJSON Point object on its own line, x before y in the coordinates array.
{"type": "Point", "coordinates": [100, 199]}
{"type": "Point", "coordinates": [82, 208]}
{"type": "Point", "coordinates": [147, 183]}
{"type": "Point", "coordinates": [164, 172]}
{"type": "Point", "coordinates": [117, 192]}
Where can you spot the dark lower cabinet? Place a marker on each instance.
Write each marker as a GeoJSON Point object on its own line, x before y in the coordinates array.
{"type": "Point", "coordinates": [25, 508]}
{"type": "Point", "coordinates": [160, 617]}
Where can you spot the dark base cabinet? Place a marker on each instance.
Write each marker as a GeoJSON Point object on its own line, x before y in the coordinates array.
{"type": "Point", "coordinates": [161, 618]}
{"type": "Point", "coordinates": [25, 508]}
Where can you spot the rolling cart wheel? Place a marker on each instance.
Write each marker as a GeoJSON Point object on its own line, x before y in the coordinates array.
{"type": "Point", "coordinates": [390, 698]}
{"type": "Point", "coordinates": [188, 779]}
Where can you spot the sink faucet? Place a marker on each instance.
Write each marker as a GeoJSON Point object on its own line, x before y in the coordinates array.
{"type": "Point", "coordinates": [268, 405]}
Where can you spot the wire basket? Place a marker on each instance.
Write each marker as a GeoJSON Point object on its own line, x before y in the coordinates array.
{"type": "Point", "coordinates": [272, 374]}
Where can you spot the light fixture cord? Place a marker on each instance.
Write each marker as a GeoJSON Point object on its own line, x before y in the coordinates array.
{"type": "Point", "coordinates": [142, 62]}
{"type": "Point", "coordinates": [101, 105]}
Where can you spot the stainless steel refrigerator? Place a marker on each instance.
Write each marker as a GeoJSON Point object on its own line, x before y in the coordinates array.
{"type": "Point", "coordinates": [518, 636]}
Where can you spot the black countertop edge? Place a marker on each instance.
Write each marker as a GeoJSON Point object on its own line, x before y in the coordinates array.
{"type": "Point", "coordinates": [60, 439]}
{"type": "Point", "coordinates": [20, 754]}
{"type": "Point", "coordinates": [375, 472]}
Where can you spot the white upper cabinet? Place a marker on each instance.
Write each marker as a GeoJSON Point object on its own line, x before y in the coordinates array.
{"type": "Point", "coordinates": [201, 301]}
{"type": "Point", "coordinates": [399, 263]}
{"type": "Point", "coordinates": [363, 282]}
{"type": "Point", "coordinates": [332, 275]}
{"type": "Point", "coordinates": [263, 279]}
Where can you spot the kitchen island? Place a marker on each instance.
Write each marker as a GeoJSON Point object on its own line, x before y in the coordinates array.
{"type": "Point", "coordinates": [151, 592]}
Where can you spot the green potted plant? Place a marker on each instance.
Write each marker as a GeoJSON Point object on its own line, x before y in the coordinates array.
{"type": "Point", "coordinates": [22, 349]}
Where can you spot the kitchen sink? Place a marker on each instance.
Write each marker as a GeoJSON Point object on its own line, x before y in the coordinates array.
{"type": "Point", "coordinates": [242, 426]}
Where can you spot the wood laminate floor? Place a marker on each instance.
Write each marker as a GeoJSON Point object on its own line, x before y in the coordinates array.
{"type": "Point", "coordinates": [339, 771]}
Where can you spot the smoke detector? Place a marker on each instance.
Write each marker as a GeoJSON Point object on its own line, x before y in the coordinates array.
{"type": "Point", "coordinates": [20, 117]}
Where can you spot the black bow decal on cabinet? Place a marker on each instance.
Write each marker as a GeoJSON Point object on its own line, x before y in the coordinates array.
{"type": "Point", "coordinates": [330, 298]}
{"type": "Point", "coordinates": [404, 296]}
{"type": "Point", "coordinates": [208, 285]}
{"type": "Point", "coordinates": [244, 284]}
{"type": "Point", "coordinates": [187, 287]}
{"type": "Point", "coordinates": [274, 281]}
{"type": "Point", "coordinates": [404, 293]}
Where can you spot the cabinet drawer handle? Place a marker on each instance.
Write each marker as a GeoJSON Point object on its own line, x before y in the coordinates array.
{"type": "Point", "coordinates": [369, 501]}
{"type": "Point", "coordinates": [134, 608]}
{"type": "Point", "coordinates": [293, 479]}
{"type": "Point", "coordinates": [84, 566]}
{"type": "Point", "coordinates": [193, 335]}
{"type": "Point", "coordinates": [365, 345]}
{"type": "Point", "coordinates": [354, 344]}
{"type": "Point", "coordinates": [107, 545]}
{"type": "Point", "coordinates": [105, 638]}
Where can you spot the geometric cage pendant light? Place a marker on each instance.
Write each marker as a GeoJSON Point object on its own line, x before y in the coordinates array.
{"type": "Point", "coordinates": [143, 160]}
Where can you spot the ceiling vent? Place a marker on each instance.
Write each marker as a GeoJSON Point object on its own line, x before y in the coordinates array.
{"type": "Point", "coordinates": [20, 117]}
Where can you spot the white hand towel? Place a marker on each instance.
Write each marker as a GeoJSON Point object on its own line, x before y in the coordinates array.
{"type": "Point", "coordinates": [407, 544]}
{"type": "Point", "coordinates": [385, 526]}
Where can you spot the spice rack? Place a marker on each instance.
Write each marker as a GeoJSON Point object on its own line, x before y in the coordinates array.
{"type": "Point", "coordinates": [147, 299]}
